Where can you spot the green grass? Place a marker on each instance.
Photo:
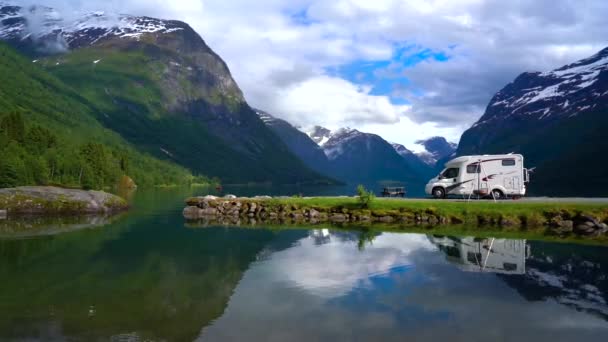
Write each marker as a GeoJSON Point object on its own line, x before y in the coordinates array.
{"type": "Point", "coordinates": [442, 207]}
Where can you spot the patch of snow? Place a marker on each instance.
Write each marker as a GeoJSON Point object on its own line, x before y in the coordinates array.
{"type": "Point", "coordinates": [547, 278]}
{"type": "Point", "coordinates": [99, 23]}
{"type": "Point", "coordinates": [545, 114]}
{"type": "Point", "coordinates": [96, 61]}
{"type": "Point", "coordinates": [35, 61]}
{"type": "Point", "coordinates": [586, 84]}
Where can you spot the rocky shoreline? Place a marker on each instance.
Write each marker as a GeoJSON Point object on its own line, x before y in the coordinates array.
{"type": "Point", "coordinates": [52, 201]}
{"type": "Point", "coordinates": [234, 211]}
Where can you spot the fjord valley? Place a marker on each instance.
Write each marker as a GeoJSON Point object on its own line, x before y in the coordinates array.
{"type": "Point", "coordinates": [149, 93]}
{"type": "Point", "coordinates": [211, 171]}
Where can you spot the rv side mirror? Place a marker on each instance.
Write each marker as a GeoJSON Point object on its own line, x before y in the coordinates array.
{"type": "Point", "coordinates": [440, 177]}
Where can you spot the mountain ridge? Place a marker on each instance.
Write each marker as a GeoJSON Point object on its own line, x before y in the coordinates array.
{"type": "Point", "coordinates": [158, 85]}
{"type": "Point", "coordinates": [555, 120]}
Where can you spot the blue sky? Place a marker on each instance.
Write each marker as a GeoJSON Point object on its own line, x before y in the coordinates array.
{"type": "Point", "coordinates": [385, 76]}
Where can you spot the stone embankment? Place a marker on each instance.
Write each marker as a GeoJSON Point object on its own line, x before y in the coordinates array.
{"type": "Point", "coordinates": [231, 210]}
{"type": "Point", "coordinates": [47, 200]}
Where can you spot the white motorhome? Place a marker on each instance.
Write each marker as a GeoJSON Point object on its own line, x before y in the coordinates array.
{"type": "Point", "coordinates": [497, 176]}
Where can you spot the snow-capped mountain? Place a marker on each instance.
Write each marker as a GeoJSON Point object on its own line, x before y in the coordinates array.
{"type": "Point", "coordinates": [298, 142]}
{"type": "Point", "coordinates": [402, 150]}
{"type": "Point", "coordinates": [319, 135]}
{"type": "Point", "coordinates": [564, 92]}
{"type": "Point", "coordinates": [414, 160]}
{"type": "Point", "coordinates": [436, 149]}
{"type": "Point", "coordinates": [46, 28]}
{"type": "Point", "coordinates": [337, 142]}
{"type": "Point", "coordinates": [556, 119]}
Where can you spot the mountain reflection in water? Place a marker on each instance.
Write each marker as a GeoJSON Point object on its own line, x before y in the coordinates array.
{"type": "Point", "coordinates": [410, 286]}
{"type": "Point", "coordinates": [148, 276]}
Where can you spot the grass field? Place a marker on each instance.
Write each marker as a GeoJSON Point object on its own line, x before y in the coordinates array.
{"type": "Point", "coordinates": [453, 208]}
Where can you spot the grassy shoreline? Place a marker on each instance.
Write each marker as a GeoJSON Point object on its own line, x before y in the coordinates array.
{"type": "Point", "coordinates": [560, 219]}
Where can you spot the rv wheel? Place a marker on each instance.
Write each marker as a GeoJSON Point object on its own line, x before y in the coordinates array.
{"type": "Point", "coordinates": [497, 194]}
{"type": "Point", "coordinates": [439, 193]}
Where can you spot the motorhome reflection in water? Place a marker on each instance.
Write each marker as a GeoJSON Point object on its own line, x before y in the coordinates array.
{"type": "Point", "coordinates": [504, 256]}
{"type": "Point", "coordinates": [496, 176]}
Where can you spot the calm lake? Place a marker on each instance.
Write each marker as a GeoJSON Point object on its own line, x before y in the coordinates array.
{"type": "Point", "coordinates": [148, 276]}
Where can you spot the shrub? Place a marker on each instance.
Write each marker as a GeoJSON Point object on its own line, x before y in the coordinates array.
{"type": "Point", "coordinates": [364, 196]}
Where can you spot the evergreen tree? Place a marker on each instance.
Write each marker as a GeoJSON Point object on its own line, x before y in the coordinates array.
{"type": "Point", "coordinates": [13, 127]}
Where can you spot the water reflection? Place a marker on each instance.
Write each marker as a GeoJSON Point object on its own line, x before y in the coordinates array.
{"type": "Point", "coordinates": [148, 277]}
{"type": "Point", "coordinates": [416, 287]}
{"type": "Point", "coordinates": [507, 256]}
{"type": "Point", "coordinates": [29, 227]}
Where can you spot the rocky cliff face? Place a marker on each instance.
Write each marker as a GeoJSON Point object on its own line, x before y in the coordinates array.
{"type": "Point", "coordinates": [157, 84]}
{"type": "Point", "coordinates": [555, 119]}
{"type": "Point", "coordinates": [298, 142]}
{"type": "Point", "coordinates": [418, 163]}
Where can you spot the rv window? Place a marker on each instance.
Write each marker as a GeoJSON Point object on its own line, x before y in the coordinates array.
{"type": "Point", "coordinates": [508, 162]}
{"type": "Point", "coordinates": [473, 168]}
{"type": "Point", "coordinates": [451, 172]}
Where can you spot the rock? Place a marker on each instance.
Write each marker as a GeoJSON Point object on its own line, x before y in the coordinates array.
{"type": "Point", "coordinates": [252, 207]}
{"type": "Point", "coordinates": [566, 225]}
{"type": "Point", "coordinates": [42, 200]}
{"type": "Point", "coordinates": [590, 219]}
{"type": "Point", "coordinates": [336, 217]}
{"type": "Point", "coordinates": [433, 220]}
{"type": "Point", "coordinates": [3, 214]}
{"type": "Point", "coordinates": [313, 213]}
{"type": "Point", "coordinates": [507, 222]}
{"type": "Point", "coordinates": [386, 219]}
{"type": "Point", "coordinates": [230, 197]}
{"type": "Point", "coordinates": [210, 198]}
{"type": "Point", "coordinates": [456, 220]}
{"type": "Point", "coordinates": [209, 212]}
{"type": "Point", "coordinates": [192, 212]}
{"type": "Point", "coordinates": [585, 229]}
{"type": "Point", "coordinates": [562, 227]}
{"type": "Point", "coordinates": [296, 216]}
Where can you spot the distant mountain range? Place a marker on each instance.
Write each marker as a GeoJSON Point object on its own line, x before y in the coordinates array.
{"type": "Point", "coordinates": [557, 120]}
{"type": "Point", "coordinates": [436, 149]}
{"type": "Point", "coordinates": [350, 155]}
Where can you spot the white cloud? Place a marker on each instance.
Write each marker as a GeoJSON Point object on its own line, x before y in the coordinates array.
{"type": "Point", "coordinates": [334, 102]}
{"type": "Point", "coordinates": [279, 56]}
{"type": "Point", "coordinates": [343, 268]}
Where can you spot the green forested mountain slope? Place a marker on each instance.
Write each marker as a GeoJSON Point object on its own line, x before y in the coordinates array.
{"type": "Point", "coordinates": [50, 134]}
{"type": "Point", "coordinates": [167, 104]}
{"type": "Point", "coordinates": [157, 85]}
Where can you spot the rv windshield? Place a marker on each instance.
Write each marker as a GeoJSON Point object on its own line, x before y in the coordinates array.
{"type": "Point", "coordinates": [450, 173]}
